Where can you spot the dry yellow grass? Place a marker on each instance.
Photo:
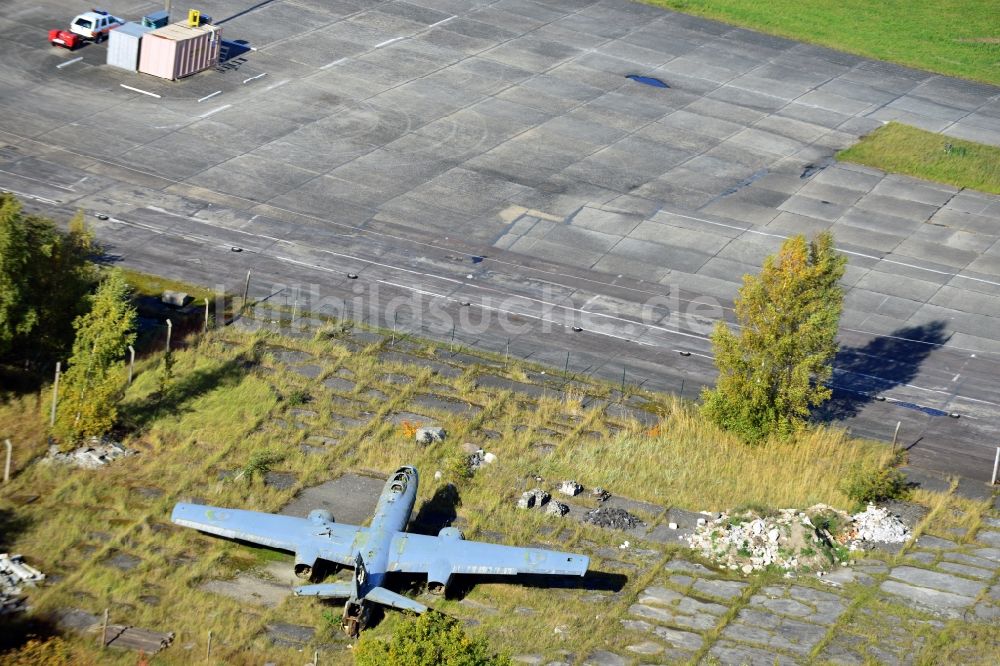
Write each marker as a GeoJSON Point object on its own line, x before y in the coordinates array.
{"type": "Point", "coordinates": [693, 464]}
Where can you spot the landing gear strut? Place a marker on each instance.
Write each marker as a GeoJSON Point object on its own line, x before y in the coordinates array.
{"type": "Point", "coordinates": [355, 618]}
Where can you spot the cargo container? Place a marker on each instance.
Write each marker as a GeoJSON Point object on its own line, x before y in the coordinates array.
{"type": "Point", "coordinates": [124, 44]}
{"type": "Point", "coordinates": [179, 50]}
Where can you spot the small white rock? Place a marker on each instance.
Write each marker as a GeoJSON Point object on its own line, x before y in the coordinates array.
{"type": "Point", "coordinates": [701, 522]}
{"type": "Point", "coordinates": [438, 475]}
{"type": "Point", "coordinates": [489, 458]}
{"type": "Point", "coordinates": [672, 526]}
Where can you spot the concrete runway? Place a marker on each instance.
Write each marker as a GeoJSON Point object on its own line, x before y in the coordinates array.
{"type": "Point", "coordinates": [495, 154]}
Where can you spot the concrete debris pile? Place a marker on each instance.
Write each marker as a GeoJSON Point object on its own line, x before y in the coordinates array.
{"type": "Point", "coordinates": [600, 494]}
{"type": "Point", "coordinates": [875, 525]}
{"type": "Point", "coordinates": [94, 454]}
{"type": "Point", "coordinates": [478, 458]}
{"type": "Point", "coordinates": [430, 435]}
{"type": "Point", "coordinates": [14, 575]}
{"type": "Point", "coordinates": [618, 519]}
{"type": "Point", "coordinates": [557, 509]}
{"type": "Point", "coordinates": [571, 488]}
{"type": "Point", "coordinates": [532, 498]}
{"type": "Point", "coordinates": [788, 539]}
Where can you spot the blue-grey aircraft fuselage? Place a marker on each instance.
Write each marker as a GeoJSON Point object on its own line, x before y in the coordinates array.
{"type": "Point", "coordinates": [377, 550]}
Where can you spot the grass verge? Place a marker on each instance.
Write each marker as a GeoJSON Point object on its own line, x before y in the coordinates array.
{"type": "Point", "coordinates": [953, 37]}
{"type": "Point", "coordinates": [915, 152]}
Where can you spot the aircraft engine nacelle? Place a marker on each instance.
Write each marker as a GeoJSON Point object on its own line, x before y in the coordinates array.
{"type": "Point", "coordinates": [305, 564]}
{"type": "Point", "coordinates": [439, 575]}
{"type": "Point", "coordinates": [320, 516]}
{"type": "Point", "coordinates": [450, 534]}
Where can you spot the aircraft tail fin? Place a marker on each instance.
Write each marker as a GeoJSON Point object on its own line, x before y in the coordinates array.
{"type": "Point", "coordinates": [326, 591]}
{"type": "Point", "coordinates": [380, 595]}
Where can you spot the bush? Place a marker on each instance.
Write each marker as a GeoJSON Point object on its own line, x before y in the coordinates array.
{"type": "Point", "coordinates": [431, 639]}
{"type": "Point", "coordinates": [866, 484]}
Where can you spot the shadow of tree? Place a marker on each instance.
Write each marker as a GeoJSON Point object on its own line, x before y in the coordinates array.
{"type": "Point", "coordinates": [181, 391]}
{"type": "Point", "coordinates": [862, 373]}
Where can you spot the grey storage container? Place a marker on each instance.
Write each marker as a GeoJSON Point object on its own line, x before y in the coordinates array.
{"type": "Point", "coordinates": [124, 44]}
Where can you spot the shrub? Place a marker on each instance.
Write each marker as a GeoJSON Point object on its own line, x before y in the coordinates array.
{"type": "Point", "coordinates": [431, 639]}
{"type": "Point", "coordinates": [878, 484]}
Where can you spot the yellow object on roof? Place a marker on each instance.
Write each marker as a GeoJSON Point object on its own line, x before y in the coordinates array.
{"type": "Point", "coordinates": [194, 17]}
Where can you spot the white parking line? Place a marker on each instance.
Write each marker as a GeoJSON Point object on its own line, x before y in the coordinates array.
{"type": "Point", "coordinates": [387, 42]}
{"type": "Point", "coordinates": [254, 78]}
{"type": "Point", "coordinates": [441, 22]}
{"type": "Point", "coordinates": [335, 62]}
{"type": "Point", "coordinates": [214, 111]}
{"type": "Point", "coordinates": [217, 92]}
{"type": "Point", "coordinates": [69, 62]}
{"type": "Point", "coordinates": [144, 92]}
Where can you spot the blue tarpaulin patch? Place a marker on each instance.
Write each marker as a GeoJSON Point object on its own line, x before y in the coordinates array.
{"type": "Point", "coordinates": [648, 80]}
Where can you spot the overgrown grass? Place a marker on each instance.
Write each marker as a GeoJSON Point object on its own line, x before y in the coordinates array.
{"type": "Point", "coordinates": [146, 284]}
{"type": "Point", "coordinates": [231, 397]}
{"type": "Point", "coordinates": [915, 152]}
{"type": "Point", "coordinates": [954, 37]}
{"type": "Point", "coordinates": [694, 464]}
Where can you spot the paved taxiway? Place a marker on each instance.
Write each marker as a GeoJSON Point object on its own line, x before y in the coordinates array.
{"type": "Point", "coordinates": [403, 141]}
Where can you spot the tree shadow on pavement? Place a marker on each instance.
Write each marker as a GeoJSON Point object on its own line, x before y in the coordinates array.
{"type": "Point", "coordinates": [862, 373]}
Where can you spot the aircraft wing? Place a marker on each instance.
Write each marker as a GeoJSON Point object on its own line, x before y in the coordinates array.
{"type": "Point", "coordinates": [416, 553]}
{"type": "Point", "coordinates": [329, 541]}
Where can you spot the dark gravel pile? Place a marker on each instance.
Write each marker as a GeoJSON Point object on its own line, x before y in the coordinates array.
{"type": "Point", "coordinates": [618, 519]}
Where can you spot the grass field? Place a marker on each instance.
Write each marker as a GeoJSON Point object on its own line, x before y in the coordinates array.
{"type": "Point", "coordinates": [953, 37]}
{"type": "Point", "coordinates": [915, 152]}
{"type": "Point", "coordinates": [232, 395]}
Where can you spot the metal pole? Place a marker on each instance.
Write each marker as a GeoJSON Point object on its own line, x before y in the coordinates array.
{"type": "Point", "coordinates": [895, 436]}
{"type": "Point", "coordinates": [295, 309]}
{"type": "Point", "coordinates": [55, 395]}
{"type": "Point", "coordinates": [393, 343]}
{"type": "Point", "coordinates": [205, 328]}
{"type": "Point", "coordinates": [566, 369]}
{"type": "Point", "coordinates": [453, 337]}
{"type": "Point", "coordinates": [131, 363]}
{"type": "Point", "coordinates": [623, 381]}
{"type": "Point", "coordinates": [208, 650]}
{"type": "Point", "coordinates": [996, 464]}
{"type": "Point", "coordinates": [246, 291]}
{"type": "Point", "coordinates": [170, 329]}
{"type": "Point", "coordinates": [506, 354]}
{"type": "Point", "coordinates": [104, 630]}
{"type": "Point", "coordinates": [10, 447]}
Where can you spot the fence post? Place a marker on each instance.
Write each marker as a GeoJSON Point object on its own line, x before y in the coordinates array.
{"type": "Point", "coordinates": [205, 327]}
{"type": "Point", "coordinates": [6, 467]}
{"type": "Point", "coordinates": [246, 291]}
{"type": "Point", "coordinates": [55, 395]}
{"type": "Point", "coordinates": [996, 465]}
{"type": "Point", "coordinates": [104, 630]}
{"type": "Point", "coordinates": [170, 329]}
{"type": "Point", "coordinates": [131, 363]}
{"type": "Point", "coordinates": [208, 650]}
{"type": "Point", "coordinates": [895, 436]}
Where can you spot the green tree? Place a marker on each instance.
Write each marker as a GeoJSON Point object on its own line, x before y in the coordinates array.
{"type": "Point", "coordinates": [61, 277]}
{"type": "Point", "coordinates": [431, 639]}
{"type": "Point", "coordinates": [773, 371]}
{"type": "Point", "coordinates": [45, 276]}
{"type": "Point", "coordinates": [17, 317]}
{"type": "Point", "coordinates": [96, 376]}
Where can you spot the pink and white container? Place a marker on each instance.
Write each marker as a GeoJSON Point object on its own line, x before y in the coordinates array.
{"type": "Point", "coordinates": [179, 50]}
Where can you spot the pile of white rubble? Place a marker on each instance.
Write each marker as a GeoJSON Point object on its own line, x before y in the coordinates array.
{"type": "Point", "coordinates": [875, 525]}
{"type": "Point", "coordinates": [15, 574]}
{"type": "Point", "coordinates": [791, 539]}
{"type": "Point", "coordinates": [92, 455]}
